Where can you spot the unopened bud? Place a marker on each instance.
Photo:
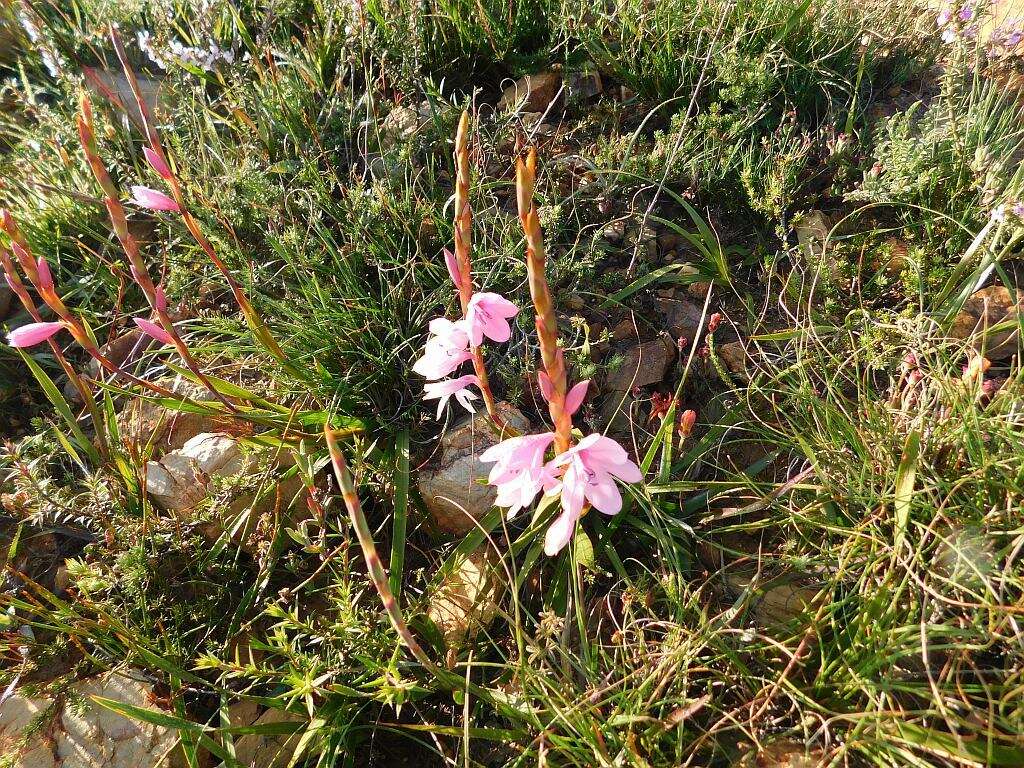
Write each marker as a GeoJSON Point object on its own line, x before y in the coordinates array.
{"type": "Point", "coordinates": [714, 321]}
{"type": "Point", "coordinates": [686, 422]}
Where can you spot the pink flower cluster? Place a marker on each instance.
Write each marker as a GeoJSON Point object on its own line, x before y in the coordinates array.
{"type": "Point", "coordinates": [957, 21]}
{"type": "Point", "coordinates": [451, 343]}
{"type": "Point", "coordinates": [584, 474]}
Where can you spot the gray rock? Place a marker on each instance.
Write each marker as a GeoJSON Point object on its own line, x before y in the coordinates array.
{"type": "Point", "coordinates": [454, 485]}
{"type": "Point", "coordinates": [643, 365]}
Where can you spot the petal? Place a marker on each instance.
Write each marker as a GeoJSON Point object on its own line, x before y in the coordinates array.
{"type": "Point", "coordinates": [155, 201]}
{"type": "Point", "coordinates": [574, 399]}
{"type": "Point", "coordinates": [498, 305]}
{"type": "Point", "coordinates": [440, 406]}
{"type": "Point", "coordinates": [45, 278]}
{"type": "Point", "coordinates": [573, 487]}
{"type": "Point", "coordinates": [627, 471]}
{"type": "Point", "coordinates": [153, 330]}
{"type": "Point", "coordinates": [602, 450]}
{"type": "Point", "coordinates": [605, 496]}
{"type": "Point", "coordinates": [546, 387]}
{"type": "Point", "coordinates": [559, 533]}
{"type": "Point", "coordinates": [156, 162]}
{"type": "Point", "coordinates": [32, 334]}
{"type": "Point", "coordinates": [453, 267]}
{"type": "Point", "coordinates": [160, 299]}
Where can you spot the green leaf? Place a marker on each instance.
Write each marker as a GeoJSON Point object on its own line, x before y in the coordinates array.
{"type": "Point", "coordinates": [56, 398]}
{"type": "Point", "coordinates": [906, 474]}
{"type": "Point", "coordinates": [583, 549]}
{"type": "Point", "coordinates": [401, 513]}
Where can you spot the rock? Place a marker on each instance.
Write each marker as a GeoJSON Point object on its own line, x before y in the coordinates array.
{"type": "Point", "coordinates": [575, 302]}
{"type": "Point", "coordinates": [680, 317]}
{"type": "Point", "coordinates": [467, 599]}
{"type": "Point", "coordinates": [812, 231]}
{"type": "Point", "coordinates": [644, 240]}
{"type": "Point", "coordinates": [616, 414]}
{"type": "Point", "coordinates": [582, 86]}
{"type": "Point", "coordinates": [781, 754]}
{"type": "Point", "coordinates": [532, 93]}
{"type": "Point", "coordinates": [985, 309]}
{"type": "Point", "coordinates": [614, 231]}
{"type": "Point", "coordinates": [733, 355]}
{"type": "Point", "coordinates": [645, 364]}
{"type": "Point", "coordinates": [84, 734]}
{"type": "Point", "coordinates": [148, 423]}
{"type": "Point", "coordinates": [178, 481]}
{"type": "Point", "coordinates": [256, 750]}
{"type": "Point", "coordinates": [404, 122]}
{"type": "Point", "coordinates": [103, 81]}
{"type": "Point", "coordinates": [668, 241]}
{"type": "Point", "coordinates": [454, 486]}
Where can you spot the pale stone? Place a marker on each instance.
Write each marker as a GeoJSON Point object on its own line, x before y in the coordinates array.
{"type": "Point", "coordinates": [256, 750]}
{"type": "Point", "coordinates": [85, 734]}
{"type": "Point", "coordinates": [532, 93]}
{"type": "Point", "coordinates": [983, 310]}
{"type": "Point", "coordinates": [178, 481]}
{"type": "Point", "coordinates": [467, 599]}
{"type": "Point", "coordinates": [454, 485]}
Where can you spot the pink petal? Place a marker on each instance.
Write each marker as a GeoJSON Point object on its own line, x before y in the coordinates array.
{"type": "Point", "coordinates": [574, 399]}
{"type": "Point", "coordinates": [627, 471]}
{"type": "Point", "coordinates": [160, 299]}
{"type": "Point", "coordinates": [32, 334]}
{"type": "Point", "coordinates": [559, 534]}
{"type": "Point", "coordinates": [45, 278]}
{"type": "Point", "coordinates": [453, 267]}
{"type": "Point", "coordinates": [546, 387]}
{"type": "Point", "coordinates": [153, 330]}
{"type": "Point", "coordinates": [604, 495]}
{"type": "Point", "coordinates": [156, 162]}
{"type": "Point", "coordinates": [574, 483]}
{"type": "Point", "coordinates": [155, 201]}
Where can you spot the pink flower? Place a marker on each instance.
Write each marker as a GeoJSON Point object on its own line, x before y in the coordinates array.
{"type": "Point", "coordinates": [591, 468]}
{"type": "Point", "coordinates": [944, 16]}
{"type": "Point", "coordinates": [573, 398]}
{"type": "Point", "coordinates": [45, 278]}
{"type": "Point", "coordinates": [453, 267]}
{"type": "Point", "coordinates": [443, 390]}
{"type": "Point", "coordinates": [519, 471]}
{"type": "Point", "coordinates": [1018, 210]}
{"type": "Point", "coordinates": [32, 334]}
{"type": "Point", "coordinates": [154, 331]}
{"type": "Point", "coordinates": [156, 162]}
{"type": "Point", "coordinates": [155, 201]}
{"type": "Point", "coordinates": [445, 350]}
{"type": "Point", "coordinates": [488, 315]}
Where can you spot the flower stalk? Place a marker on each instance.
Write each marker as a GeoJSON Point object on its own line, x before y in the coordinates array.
{"type": "Point", "coordinates": [119, 221]}
{"type": "Point", "coordinates": [158, 159]}
{"type": "Point", "coordinates": [463, 247]}
{"type": "Point", "coordinates": [546, 322]}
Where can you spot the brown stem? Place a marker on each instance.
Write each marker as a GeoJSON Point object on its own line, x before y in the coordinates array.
{"type": "Point", "coordinates": [547, 323]}
{"type": "Point", "coordinates": [119, 221]}
{"type": "Point", "coordinates": [254, 321]}
{"type": "Point", "coordinates": [462, 225]}
{"type": "Point", "coordinates": [79, 383]}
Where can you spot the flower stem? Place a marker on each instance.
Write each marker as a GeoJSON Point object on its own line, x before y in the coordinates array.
{"type": "Point", "coordinates": [547, 323]}
{"type": "Point", "coordinates": [462, 225]}
{"type": "Point", "coordinates": [119, 221]}
{"type": "Point", "coordinates": [252, 318]}
{"type": "Point", "coordinates": [374, 566]}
